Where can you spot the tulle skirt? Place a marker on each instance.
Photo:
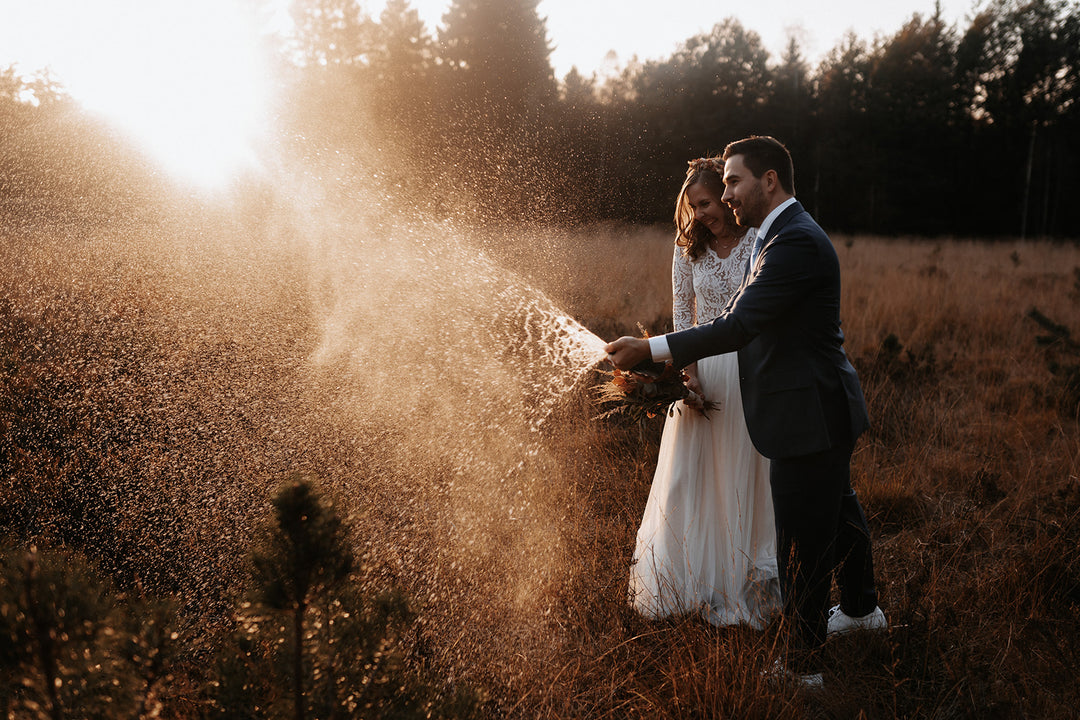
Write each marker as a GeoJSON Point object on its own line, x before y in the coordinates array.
{"type": "Point", "coordinates": [707, 541]}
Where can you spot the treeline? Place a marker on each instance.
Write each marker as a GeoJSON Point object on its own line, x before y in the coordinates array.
{"type": "Point", "coordinates": [937, 129]}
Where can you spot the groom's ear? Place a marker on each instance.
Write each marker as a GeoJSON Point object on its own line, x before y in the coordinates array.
{"type": "Point", "coordinates": [771, 180]}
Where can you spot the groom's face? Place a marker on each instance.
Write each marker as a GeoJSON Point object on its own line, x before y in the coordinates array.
{"type": "Point", "coordinates": [743, 193]}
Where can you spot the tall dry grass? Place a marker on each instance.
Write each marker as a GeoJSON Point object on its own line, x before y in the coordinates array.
{"type": "Point", "coordinates": [158, 384]}
{"type": "Point", "coordinates": [970, 477]}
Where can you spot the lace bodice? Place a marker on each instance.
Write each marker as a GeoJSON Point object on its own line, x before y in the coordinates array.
{"type": "Point", "coordinates": [701, 288]}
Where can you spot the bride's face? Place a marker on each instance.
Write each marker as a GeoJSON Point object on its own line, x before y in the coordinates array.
{"type": "Point", "coordinates": [707, 207]}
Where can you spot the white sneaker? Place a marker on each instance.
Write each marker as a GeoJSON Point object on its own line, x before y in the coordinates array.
{"type": "Point", "coordinates": [840, 622]}
{"type": "Point", "coordinates": [780, 675]}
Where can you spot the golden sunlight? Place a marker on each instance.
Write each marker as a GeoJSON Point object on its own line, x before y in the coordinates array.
{"type": "Point", "coordinates": [188, 79]}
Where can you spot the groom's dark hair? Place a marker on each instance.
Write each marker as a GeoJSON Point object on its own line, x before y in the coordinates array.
{"type": "Point", "coordinates": [762, 153]}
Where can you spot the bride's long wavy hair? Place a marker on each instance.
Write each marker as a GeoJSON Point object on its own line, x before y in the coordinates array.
{"type": "Point", "coordinates": [691, 235]}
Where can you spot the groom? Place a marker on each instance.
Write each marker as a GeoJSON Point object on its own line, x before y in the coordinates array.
{"type": "Point", "coordinates": [803, 403]}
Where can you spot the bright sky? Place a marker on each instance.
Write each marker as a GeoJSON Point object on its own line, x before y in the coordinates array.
{"type": "Point", "coordinates": [184, 77]}
{"type": "Point", "coordinates": [187, 77]}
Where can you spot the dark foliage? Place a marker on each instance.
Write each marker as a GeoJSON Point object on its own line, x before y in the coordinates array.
{"type": "Point", "coordinates": [935, 130]}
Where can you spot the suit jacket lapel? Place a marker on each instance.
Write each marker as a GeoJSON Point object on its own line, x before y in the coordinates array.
{"type": "Point", "coordinates": [778, 224]}
{"type": "Point", "coordinates": [783, 219]}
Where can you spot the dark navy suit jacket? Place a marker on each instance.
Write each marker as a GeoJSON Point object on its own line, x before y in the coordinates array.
{"type": "Point", "coordinates": [800, 394]}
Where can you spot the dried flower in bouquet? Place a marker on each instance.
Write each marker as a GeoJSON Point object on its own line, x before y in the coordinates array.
{"type": "Point", "coordinates": [640, 396]}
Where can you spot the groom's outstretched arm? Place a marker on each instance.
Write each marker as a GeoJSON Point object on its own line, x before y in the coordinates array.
{"type": "Point", "coordinates": [790, 269]}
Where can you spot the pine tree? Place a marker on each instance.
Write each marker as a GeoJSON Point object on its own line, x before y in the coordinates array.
{"type": "Point", "coordinates": [403, 50]}
{"type": "Point", "coordinates": [791, 96]}
{"type": "Point", "coordinates": [498, 53]}
{"type": "Point", "coordinates": [316, 627]}
{"type": "Point", "coordinates": [330, 33]}
{"type": "Point", "coordinates": [303, 555]}
{"type": "Point", "coordinates": [402, 65]}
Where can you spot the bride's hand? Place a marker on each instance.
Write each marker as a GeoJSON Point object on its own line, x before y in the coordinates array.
{"type": "Point", "coordinates": [696, 399]}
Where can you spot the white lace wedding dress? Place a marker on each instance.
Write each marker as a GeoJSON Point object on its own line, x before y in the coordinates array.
{"type": "Point", "coordinates": [707, 541]}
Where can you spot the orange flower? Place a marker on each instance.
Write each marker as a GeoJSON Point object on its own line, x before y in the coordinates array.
{"type": "Point", "coordinates": [623, 382]}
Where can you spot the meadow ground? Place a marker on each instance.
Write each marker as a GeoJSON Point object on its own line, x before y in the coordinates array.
{"type": "Point", "coordinates": [158, 385]}
{"type": "Point", "coordinates": [970, 476]}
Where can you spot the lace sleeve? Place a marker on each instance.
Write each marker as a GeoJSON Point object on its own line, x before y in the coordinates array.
{"type": "Point", "coordinates": [683, 302]}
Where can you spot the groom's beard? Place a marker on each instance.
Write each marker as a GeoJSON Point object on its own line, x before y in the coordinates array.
{"type": "Point", "coordinates": [752, 210]}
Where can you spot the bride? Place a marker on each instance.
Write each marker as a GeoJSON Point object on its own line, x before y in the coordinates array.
{"type": "Point", "coordinates": [707, 541]}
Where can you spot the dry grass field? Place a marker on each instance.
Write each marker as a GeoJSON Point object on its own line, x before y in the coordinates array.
{"type": "Point", "coordinates": [970, 477]}
{"type": "Point", "coordinates": [159, 384]}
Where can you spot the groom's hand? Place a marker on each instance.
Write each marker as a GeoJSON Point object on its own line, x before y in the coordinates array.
{"type": "Point", "coordinates": [626, 352]}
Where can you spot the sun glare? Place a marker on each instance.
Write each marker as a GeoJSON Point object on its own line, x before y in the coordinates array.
{"type": "Point", "coordinates": [186, 78]}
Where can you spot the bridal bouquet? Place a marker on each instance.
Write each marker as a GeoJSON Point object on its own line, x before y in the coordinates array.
{"type": "Point", "coordinates": [640, 396]}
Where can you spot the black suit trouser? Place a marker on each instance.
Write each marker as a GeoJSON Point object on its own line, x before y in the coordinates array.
{"type": "Point", "coordinates": [821, 531]}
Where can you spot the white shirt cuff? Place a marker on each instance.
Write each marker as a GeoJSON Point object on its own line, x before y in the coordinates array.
{"type": "Point", "coordinates": [659, 348]}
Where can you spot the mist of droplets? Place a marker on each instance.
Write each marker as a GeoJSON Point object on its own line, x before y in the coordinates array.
{"type": "Point", "coordinates": [193, 362]}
